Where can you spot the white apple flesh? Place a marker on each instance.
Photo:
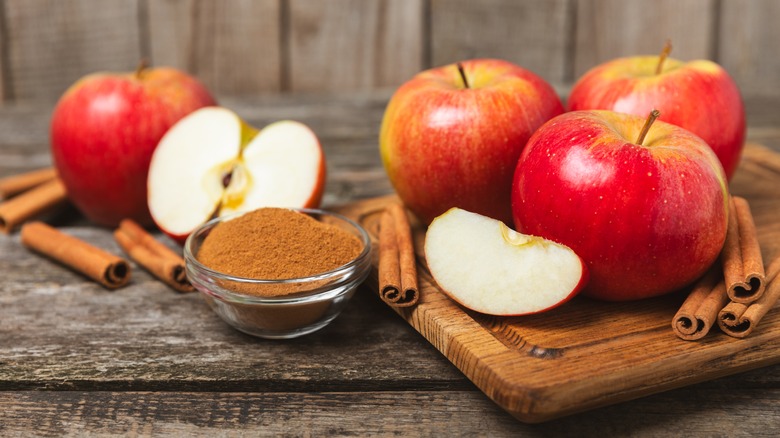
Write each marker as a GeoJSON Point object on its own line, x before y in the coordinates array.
{"type": "Point", "coordinates": [488, 267]}
{"type": "Point", "coordinates": [211, 164]}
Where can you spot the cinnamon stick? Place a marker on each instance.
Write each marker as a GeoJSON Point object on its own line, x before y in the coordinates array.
{"type": "Point", "coordinates": [700, 310]}
{"type": "Point", "coordinates": [15, 184]}
{"type": "Point", "coordinates": [31, 203]}
{"type": "Point", "coordinates": [739, 319]}
{"type": "Point", "coordinates": [408, 265]}
{"type": "Point", "coordinates": [743, 266]}
{"type": "Point", "coordinates": [397, 267]}
{"type": "Point", "coordinates": [105, 268]}
{"type": "Point", "coordinates": [152, 255]}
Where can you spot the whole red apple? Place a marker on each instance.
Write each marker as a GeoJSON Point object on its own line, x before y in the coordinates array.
{"type": "Point", "coordinates": [699, 95]}
{"type": "Point", "coordinates": [104, 130]}
{"type": "Point", "coordinates": [451, 136]}
{"type": "Point", "coordinates": [648, 217]}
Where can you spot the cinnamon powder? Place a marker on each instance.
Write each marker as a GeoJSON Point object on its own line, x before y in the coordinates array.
{"type": "Point", "coordinates": [277, 244]}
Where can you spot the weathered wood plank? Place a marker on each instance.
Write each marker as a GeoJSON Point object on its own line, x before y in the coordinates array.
{"type": "Point", "coordinates": [50, 44]}
{"type": "Point", "coordinates": [535, 34]}
{"type": "Point", "coordinates": [233, 46]}
{"type": "Point", "coordinates": [748, 35]}
{"type": "Point", "coordinates": [744, 407]}
{"type": "Point", "coordinates": [609, 29]}
{"type": "Point", "coordinates": [355, 45]}
{"type": "Point", "coordinates": [59, 330]}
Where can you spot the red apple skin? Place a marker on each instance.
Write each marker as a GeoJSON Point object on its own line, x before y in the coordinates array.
{"type": "Point", "coordinates": [647, 220]}
{"type": "Point", "coordinates": [699, 95]}
{"type": "Point", "coordinates": [444, 145]}
{"type": "Point", "coordinates": [104, 130]}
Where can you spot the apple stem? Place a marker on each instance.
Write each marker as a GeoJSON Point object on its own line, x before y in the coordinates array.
{"type": "Point", "coordinates": [463, 75]}
{"type": "Point", "coordinates": [648, 123]}
{"type": "Point", "coordinates": [143, 64]}
{"type": "Point", "coordinates": [662, 58]}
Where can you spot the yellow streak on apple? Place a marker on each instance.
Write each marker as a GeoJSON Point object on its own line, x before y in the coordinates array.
{"type": "Point", "coordinates": [240, 179]}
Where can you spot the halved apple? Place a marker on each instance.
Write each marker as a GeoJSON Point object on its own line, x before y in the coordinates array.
{"type": "Point", "coordinates": [488, 267]}
{"type": "Point", "coordinates": [211, 163]}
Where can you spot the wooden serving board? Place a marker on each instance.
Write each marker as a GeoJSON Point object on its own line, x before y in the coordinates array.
{"type": "Point", "coordinates": [587, 353]}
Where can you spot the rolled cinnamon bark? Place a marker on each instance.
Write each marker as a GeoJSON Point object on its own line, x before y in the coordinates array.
{"type": "Point", "coordinates": [15, 184]}
{"type": "Point", "coordinates": [700, 310]}
{"type": "Point", "coordinates": [31, 203]}
{"type": "Point", "coordinates": [389, 261]}
{"type": "Point", "coordinates": [743, 266]}
{"type": "Point", "coordinates": [739, 319]}
{"type": "Point", "coordinates": [407, 263]}
{"type": "Point", "coordinates": [397, 267]}
{"type": "Point", "coordinates": [105, 268]}
{"type": "Point", "coordinates": [152, 255]}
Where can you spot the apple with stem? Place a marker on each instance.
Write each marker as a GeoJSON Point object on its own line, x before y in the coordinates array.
{"type": "Point", "coordinates": [488, 267]}
{"type": "Point", "coordinates": [644, 204]}
{"type": "Point", "coordinates": [452, 135]}
{"type": "Point", "coordinates": [699, 96]}
{"type": "Point", "coordinates": [104, 130]}
{"type": "Point", "coordinates": [211, 163]}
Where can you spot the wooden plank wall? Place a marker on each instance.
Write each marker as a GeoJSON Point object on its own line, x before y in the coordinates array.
{"type": "Point", "coordinates": [254, 47]}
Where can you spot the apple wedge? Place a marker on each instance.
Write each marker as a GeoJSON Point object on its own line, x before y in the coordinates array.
{"type": "Point", "coordinates": [211, 163]}
{"type": "Point", "coordinates": [488, 267]}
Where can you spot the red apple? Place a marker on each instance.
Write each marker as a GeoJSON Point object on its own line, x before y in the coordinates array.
{"type": "Point", "coordinates": [648, 217]}
{"type": "Point", "coordinates": [451, 137]}
{"type": "Point", "coordinates": [211, 163]}
{"type": "Point", "coordinates": [104, 130]}
{"type": "Point", "coordinates": [699, 95]}
{"type": "Point", "coordinates": [485, 266]}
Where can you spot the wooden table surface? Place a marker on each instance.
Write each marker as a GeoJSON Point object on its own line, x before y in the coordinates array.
{"type": "Point", "coordinates": [143, 360]}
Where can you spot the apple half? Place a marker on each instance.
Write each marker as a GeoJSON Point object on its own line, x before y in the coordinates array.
{"type": "Point", "coordinates": [490, 268]}
{"type": "Point", "coordinates": [211, 163]}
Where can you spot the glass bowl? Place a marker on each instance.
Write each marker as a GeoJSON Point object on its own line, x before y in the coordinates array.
{"type": "Point", "coordinates": [314, 301]}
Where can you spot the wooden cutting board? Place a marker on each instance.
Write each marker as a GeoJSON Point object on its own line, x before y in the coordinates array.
{"type": "Point", "coordinates": [587, 353]}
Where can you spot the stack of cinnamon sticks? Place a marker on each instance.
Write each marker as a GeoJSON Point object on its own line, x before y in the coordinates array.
{"type": "Point", "coordinates": [155, 257]}
{"type": "Point", "coordinates": [32, 194]}
{"type": "Point", "coordinates": [737, 292]}
{"type": "Point", "coordinates": [107, 269]}
{"type": "Point", "coordinates": [397, 265]}
{"type": "Point", "coordinates": [29, 195]}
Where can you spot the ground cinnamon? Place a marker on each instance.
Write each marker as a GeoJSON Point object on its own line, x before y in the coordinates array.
{"type": "Point", "coordinates": [277, 244]}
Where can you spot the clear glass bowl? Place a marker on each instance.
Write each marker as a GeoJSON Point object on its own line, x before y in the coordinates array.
{"type": "Point", "coordinates": [315, 301]}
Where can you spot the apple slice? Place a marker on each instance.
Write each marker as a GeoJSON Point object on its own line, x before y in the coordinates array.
{"type": "Point", "coordinates": [211, 163]}
{"type": "Point", "coordinates": [488, 267]}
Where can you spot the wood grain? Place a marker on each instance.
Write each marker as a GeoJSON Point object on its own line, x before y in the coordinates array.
{"type": "Point", "coordinates": [257, 47]}
{"type": "Point", "coordinates": [406, 413]}
{"type": "Point", "coordinates": [748, 32]}
{"type": "Point", "coordinates": [608, 29]}
{"type": "Point", "coordinates": [534, 34]}
{"type": "Point", "coordinates": [50, 44]}
{"type": "Point", "coordinates": [354, 45]}
{"type": "Point", "coordinates": [233, 46]}
{"type": "Point", "coordinates": [587, 353]}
